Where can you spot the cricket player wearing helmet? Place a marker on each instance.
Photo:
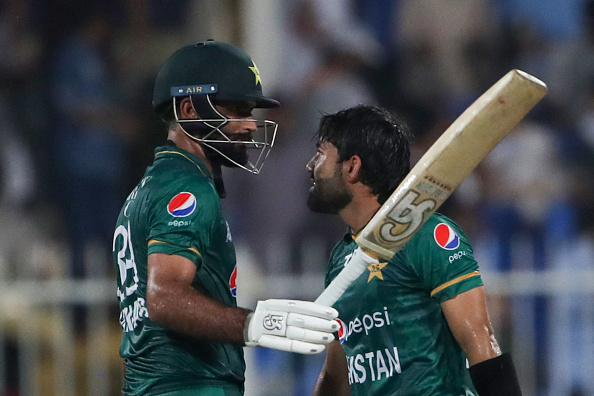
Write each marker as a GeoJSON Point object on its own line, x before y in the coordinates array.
{"type": "Point", "coordinates": [182, 330]}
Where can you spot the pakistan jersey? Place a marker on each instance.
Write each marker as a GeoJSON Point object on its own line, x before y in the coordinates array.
{"type": "Point", "coordinates": [174, 209]}
{"type": "Point", "coordinates": [393, 330]}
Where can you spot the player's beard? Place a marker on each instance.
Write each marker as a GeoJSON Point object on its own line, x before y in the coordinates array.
{"type": "Point", "coordinates": [224, 152]}
{"type": "Point", "coordinates": [231, 152]}
{"type": "Point", "coordinates": [329, 195]}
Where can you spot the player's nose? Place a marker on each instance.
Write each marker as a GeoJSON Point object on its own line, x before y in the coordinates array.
{"type": "Point", "coordinates": [248, 126]}
{"type": "Point", "coordinates": [310, 165]}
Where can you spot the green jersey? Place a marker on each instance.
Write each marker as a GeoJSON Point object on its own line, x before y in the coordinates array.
{"type": "Point", "coordinates": [174, 209]}
{"type": "Point", "coordinates": [393, 330]}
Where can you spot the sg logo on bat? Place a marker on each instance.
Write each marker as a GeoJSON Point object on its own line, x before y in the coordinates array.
{"type": "Point", "coordinates": [405, 217]}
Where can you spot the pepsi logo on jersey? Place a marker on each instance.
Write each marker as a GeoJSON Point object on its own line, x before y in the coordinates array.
{"type": "Point", "coordinates": [182, 205]}
{"type": "Point", "coordinates": [446, 237]}
{"type": "Point", "coordinates": [233, 282]}
{"type": "Point", "coordinates": [343, 331]}
{"type": "Point", "coordinates": [364, 324]}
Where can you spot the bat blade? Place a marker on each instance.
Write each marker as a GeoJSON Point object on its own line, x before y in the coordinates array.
{"type": "Point", "coordinates": [450, 160]}
{"type": "Point", "coordinates": [440, 171]}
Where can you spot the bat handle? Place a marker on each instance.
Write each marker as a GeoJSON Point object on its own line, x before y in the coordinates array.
{"type": "Point", "coordinates": [352, 270]}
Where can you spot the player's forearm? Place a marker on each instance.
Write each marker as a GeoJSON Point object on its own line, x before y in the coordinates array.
{"type": "Point", "coordinates": [186, 311]}
{"type": "Point", "coordinates": [469, 322]}
{"type": "Point", "coordinates": [333, 379]}
{"type": "Point", "coordinates": [329, 385]}
{"type": "Point", "coordinates": [483, 347]}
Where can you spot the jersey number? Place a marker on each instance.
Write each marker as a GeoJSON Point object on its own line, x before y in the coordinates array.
{"type": "Point", "coordinates": [127, 286]}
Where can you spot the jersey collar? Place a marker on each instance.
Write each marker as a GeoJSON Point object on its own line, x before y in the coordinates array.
{"type": "Point", "coordinates": [171, 150]}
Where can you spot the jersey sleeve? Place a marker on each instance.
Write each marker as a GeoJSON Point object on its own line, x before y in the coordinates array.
{"type": "Point", "coordinates": [443, 260]}
{"type": "Point", "coordinates": [182, 220]}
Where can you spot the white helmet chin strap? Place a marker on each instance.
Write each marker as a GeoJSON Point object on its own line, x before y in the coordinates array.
{"type": "Point", "coordinates": [266, 131]}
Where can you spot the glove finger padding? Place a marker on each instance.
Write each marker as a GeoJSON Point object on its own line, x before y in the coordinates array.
{"type": "Point", "coordinates": [303, 307]}
{"type": "Point", "coordinates": [300, 334]}
{"type": "Point", "coordinates": [312, 323]}
{"type": "Point", "coordinates": [288, 345]}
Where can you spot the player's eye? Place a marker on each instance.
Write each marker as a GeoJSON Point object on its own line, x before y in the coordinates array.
{"type": "Point", "coordinates": [239, 110]}
{"type": "Point", "coordinates": [242, 111]}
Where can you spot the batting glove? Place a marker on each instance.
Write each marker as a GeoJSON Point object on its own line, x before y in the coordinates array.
{"type": "Point", "coordinates": [293, 326]}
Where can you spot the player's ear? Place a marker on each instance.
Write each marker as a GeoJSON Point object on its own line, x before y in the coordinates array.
{"type": "Point", "coordinates": [351, 169]}
{"type": "Point", "coordinates": [186, 109]}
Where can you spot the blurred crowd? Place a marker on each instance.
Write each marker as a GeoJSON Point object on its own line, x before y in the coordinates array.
{"type": "Point", "coordinates": [77, 130]}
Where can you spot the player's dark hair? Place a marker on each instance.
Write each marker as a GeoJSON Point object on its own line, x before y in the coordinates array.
{"type": "Point", "coordinates": [169, 118]}
{"type": "Point", "coordinates": [378, 137]}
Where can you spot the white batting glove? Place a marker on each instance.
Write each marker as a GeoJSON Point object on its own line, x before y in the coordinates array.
{"type": "Point", "coordinates": [290, 325]}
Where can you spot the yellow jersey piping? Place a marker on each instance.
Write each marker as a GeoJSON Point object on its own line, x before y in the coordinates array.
{"type": "Point", "coordinates": [454, 281]}
{"type": "Point", "coordinates": [165, 243]}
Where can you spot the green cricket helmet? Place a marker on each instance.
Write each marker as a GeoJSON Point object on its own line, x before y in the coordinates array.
{"type": "Point", "coordinates": [220, 70]}
{"type": "Point", "coordinates": [211, 72]}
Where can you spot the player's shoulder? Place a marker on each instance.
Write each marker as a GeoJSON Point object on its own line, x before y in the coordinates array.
{"type": "Point", "coordinates": [439, 232]}
{"type": "Point", "coordinates": [184, 201]}
{"type": "Point", "coordinates": [439, 252]}
{"type": "Point", "coordinates": [181, 185]}
{"type": "Point", "coordinates": [180, 164]}
{"type": "Point", "coordinates": [174, 167]}
{"type": "Point", "coordinates": [439, 221]}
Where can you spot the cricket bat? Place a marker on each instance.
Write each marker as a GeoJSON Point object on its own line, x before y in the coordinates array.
{"type": "Point", "coordinates": [452, 157]}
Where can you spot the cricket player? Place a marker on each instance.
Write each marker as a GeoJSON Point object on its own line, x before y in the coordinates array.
{"type": "Point", "coordinates": [183, 333]}
{"type": "Point", "coordinates": [418, 323]}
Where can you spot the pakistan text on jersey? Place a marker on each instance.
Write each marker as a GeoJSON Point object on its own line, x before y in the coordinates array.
{"type": "Point", "coordinates": [373, 366]}
{"type": "Point", "coordinates": [133, 313]}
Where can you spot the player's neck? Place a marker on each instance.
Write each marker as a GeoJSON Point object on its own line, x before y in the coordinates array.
{"type": "Point", "coordinates": [182, 141]}
{"type": "Point", "coordinates": [358, 213]}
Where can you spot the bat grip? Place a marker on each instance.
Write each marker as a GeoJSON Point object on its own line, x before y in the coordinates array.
{"type": "Point", "coordinates": [355, 267]}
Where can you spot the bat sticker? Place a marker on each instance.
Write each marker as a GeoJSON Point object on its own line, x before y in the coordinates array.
{"type": "Point", "coordinates": [406, 218]}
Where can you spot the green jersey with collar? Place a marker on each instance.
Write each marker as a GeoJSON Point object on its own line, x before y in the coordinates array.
{"type": "Point", "coordinates": [174, 209]}
{"type": "Point", "coordinates": [393, 330]}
